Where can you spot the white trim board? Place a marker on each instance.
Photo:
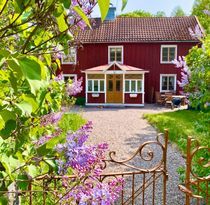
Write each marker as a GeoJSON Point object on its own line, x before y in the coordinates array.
{"type": "Point", "coordinates": [114, 105]}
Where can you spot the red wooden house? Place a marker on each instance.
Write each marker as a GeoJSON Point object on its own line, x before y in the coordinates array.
{"type": "Point", "coordinates": [124, 60]}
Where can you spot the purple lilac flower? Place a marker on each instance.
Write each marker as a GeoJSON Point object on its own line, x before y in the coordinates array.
{"type": "Point", "coordinates": [86, 6]}
{"type": "Point", "coordinates": [82, 158]}
{"type": "Point", "coordinates": [207, 12]}
{"type": "Point", "coordinates": [185, 72]}
{"type": "Point", "coordinates": [51, 119]}
{"type": "Point", "coordinates": [74, 88]}
{"type": "Point", "coordinates": [59, 78]}
{"type": "Point", "coordinates": [197, 33]}
{"type": "Point", "coordinates": [96, 193]}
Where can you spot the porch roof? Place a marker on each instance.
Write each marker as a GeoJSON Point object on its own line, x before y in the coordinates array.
{"type": "Point", "coordinates": [115, 67]}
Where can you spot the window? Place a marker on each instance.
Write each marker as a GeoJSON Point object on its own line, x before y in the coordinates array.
{"type": "Point", "coordinates": [168, 53]}
{"type": "Point", "coordinates": [70, 58]}
{"type": "Point", "coordinates": [95, 85]}
{"type": "Point", "coordinates": [69, 76]}
{"type": "Point", "coordinates": [133, 86]}
{"type": "Point", "coordinates": [167, 82]}
{"type": "Point", "coordinates": [115, 54]}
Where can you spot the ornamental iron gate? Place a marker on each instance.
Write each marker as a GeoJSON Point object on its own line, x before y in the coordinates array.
{"type": "Point", "coordinates": [145, 181]}
{"type": "Point", "coordinates": [196, 186]}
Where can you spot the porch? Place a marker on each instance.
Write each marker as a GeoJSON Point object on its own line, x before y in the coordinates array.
{"type": "Point", "coordinates": [115, 85]}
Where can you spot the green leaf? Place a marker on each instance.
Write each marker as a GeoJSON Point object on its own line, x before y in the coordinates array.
{"type": "Point", "coordinates": [104, 8]}
{"type": "Point", "coordinates": [25, 107]}
{"type": "Point", "coordinates": [3, 200]}
{"type": "Point", "coordinates": [32, 101]}
{"type": "Point", "coordinates": [124, 3]}
{"type": "Point", "coordinates": [22, 184]}
{"type": "Point", "coordinates": [82, 15]}
{"type": "Point", "coordinates": [48, 59]}
{"type": "Point", "coordinates": [10, 126]}
{"type": "Point", "coordinates": [59, 10]}
{"type": "Point", "coordinates": [66, 3]}
{"type": "Point", "coordinates": [33, 170]}
{"type": "Point", "coordinates": [62, 23]}
{"type": "Point", "coordinates": [44, 167]}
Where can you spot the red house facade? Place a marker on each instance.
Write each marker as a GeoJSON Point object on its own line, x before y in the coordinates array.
{"type": "Point", "coordinates": [124, 61]}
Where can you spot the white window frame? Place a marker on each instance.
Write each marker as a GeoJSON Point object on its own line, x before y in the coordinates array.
{"type": "Point", "coordinates": [71, 75]}
{"type": "Point", "coordinates": [161, 53]}
{"type": "Point", "coordinates": [93, 85]}
{"type": "Point", "coordinates": [109, 47]}
{"type": "Point", "coordinates": [167, 75]}
{"type": "Point", "coordinates": [62, 62]}
{"type": "Point", "coordinates": [130, 91]}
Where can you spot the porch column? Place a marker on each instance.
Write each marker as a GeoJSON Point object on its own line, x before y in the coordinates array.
{"type": "Point", "coordinates": [143, 88]}
{"type": "Point", "coordinates": [86, 88]}
{"type": "Point", "coordinates": [123, 87]}
{"type": "Point", "coordinates": [105, 87]}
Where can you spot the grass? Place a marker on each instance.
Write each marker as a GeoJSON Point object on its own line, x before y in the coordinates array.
{"type": "Point", "coordinates": [181, 124]}
{"type": "Point", "coordinates": [71, 121]}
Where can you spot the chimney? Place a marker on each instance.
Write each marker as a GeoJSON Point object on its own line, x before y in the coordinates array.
{"type": "Point", "coordinates": [111, 13]}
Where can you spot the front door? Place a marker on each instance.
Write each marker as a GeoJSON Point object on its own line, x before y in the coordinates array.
{"type": "Point", "coordinates": [114, 88]}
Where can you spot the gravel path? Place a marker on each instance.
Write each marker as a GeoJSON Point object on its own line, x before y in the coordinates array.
{"type": "Point", "coordinates": [124, 129]}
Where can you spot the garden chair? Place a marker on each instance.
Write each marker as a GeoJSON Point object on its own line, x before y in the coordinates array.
{"type": "Point", "coordinates": [169, 100]}
{"type": "Point", "coordinates": [158, 99]}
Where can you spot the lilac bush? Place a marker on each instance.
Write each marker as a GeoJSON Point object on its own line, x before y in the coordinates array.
{"type": "Point", "coordinates": [74, 88]}
{"type": "Point", "coordinates": [86, 162]}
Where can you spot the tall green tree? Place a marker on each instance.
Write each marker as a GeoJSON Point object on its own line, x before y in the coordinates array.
{"type": "Point", "coordinates": [201, 9]}
{"type": "Point", "coordinates": [137, 13]}
{"type": "Point", "coordinates": [178, 11]}
{"type": "Point", "coordinates": [160, 14]}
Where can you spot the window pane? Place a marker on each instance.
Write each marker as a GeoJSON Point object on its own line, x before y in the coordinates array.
{"type": "Point", "coordinates": [139, 87]}
{"type": "Point", "coordinates": [127, 86]}
{"type": "Point", "coordinates": [171, 83]}
{"type": "Point", "coordinates": [89, 85]}
{"type": "Point", "coordinates": [95, 85]}
{"type": "Point", "coordinates": [118, 85]}
{"type": "Point", "coordinates": [110, 85]}
{"type": "Point", "coordinates": [112, 54]}
{"type": "Point", "coordinates": [70, 57]}
{"type": "Point", "coordinates": [133, 86]}
{"type": "Point", "coordinates": [102, 85]}
{"type": "Point", "coordinates": [171, 54]}
{"type": "Point", "coordinates": [119, 54]}
{"type": "Point", "coordinates": [164, 83]}
{"type": "Point", "coordinates": [164, 54]}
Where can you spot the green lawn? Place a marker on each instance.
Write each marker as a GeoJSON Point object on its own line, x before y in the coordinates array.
{"type": "Point", "coordinates": [181, 124]}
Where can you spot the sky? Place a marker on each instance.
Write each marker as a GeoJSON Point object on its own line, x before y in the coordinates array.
{"type": "Point", "coordinates": [151, 5]}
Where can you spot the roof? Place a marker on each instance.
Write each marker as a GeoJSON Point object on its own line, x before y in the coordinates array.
{"type": "Point", "coordinates": [139, 29]}
{"type": "Point", "coordinates": [115, 65]}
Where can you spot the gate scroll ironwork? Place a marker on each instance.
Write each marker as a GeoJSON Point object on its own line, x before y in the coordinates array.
{"type": "Point", "coordinates": [196, 187]}
{"type": "Point", "coordinates": [139, 181]}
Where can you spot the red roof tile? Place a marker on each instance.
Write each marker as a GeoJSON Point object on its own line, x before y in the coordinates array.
{"type": "Point", "coordinates": [139, 29]}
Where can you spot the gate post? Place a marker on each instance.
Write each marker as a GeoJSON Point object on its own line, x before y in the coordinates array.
{"type": "Point", "coordinates": [165, 176]}
{"type": "Point", "coordinates": [188, 169]}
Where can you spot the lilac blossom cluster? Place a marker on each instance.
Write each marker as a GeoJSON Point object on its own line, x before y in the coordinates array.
{"type": "Point", "coordinates": [51, 119]}
{"type": "Point", "coordinates": [196, 33]}
{"type": "Point", "coordinates": [96, 192]}
{"type": "Point", "coordinates": [74, 88]}
{"type": "Point", "coordinates": [86, 6]}
{"type": "Point", "coordinates": [84, 160]}
{"type": "Point", "coordinates": [185, 72]}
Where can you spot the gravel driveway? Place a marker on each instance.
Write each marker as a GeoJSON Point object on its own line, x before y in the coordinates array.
{"type": "Point", "coordinates": [124, 129]}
